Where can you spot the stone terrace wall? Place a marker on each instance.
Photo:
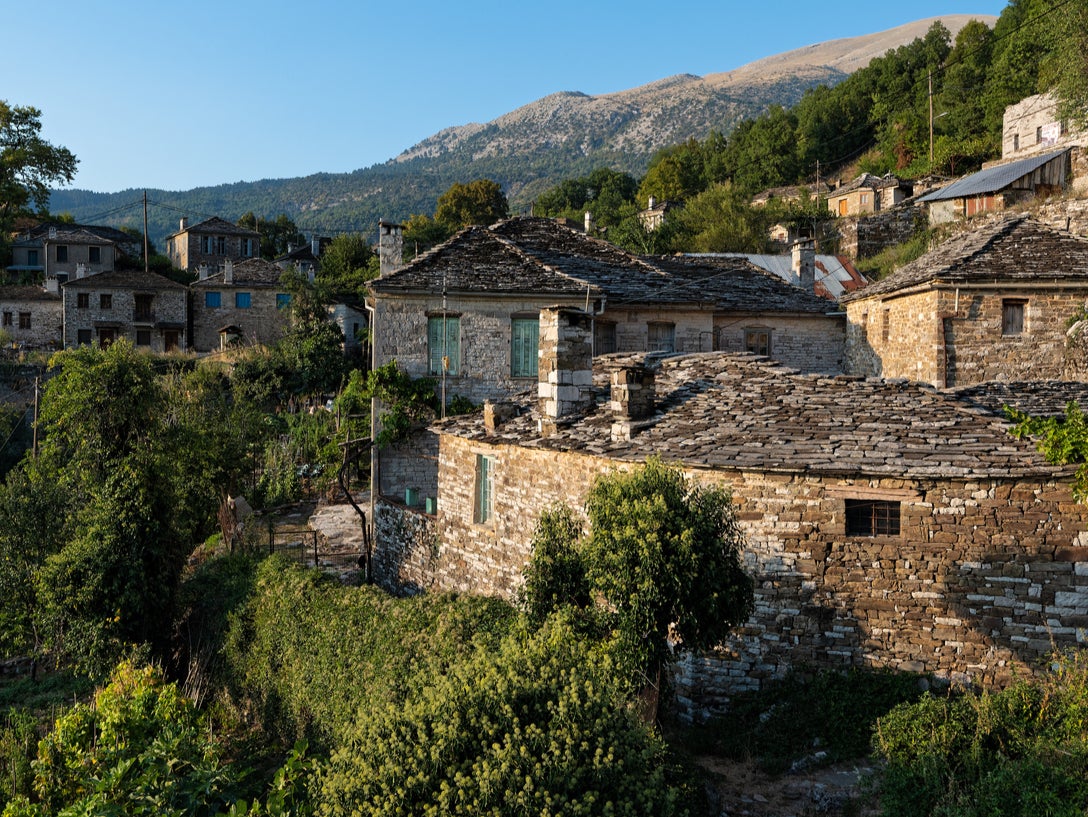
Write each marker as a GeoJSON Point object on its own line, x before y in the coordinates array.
{"type": "Point", "coordinates": [986, 575]}
{"type": "Point", "coordinates": [410, 463]}
{"type": "Point", "coordinates": [812, 345]}
{"type": "Point", "coordinates": [866, 236]}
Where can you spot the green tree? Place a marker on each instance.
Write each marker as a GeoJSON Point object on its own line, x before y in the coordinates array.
{"type": "Point", "coordinates": [721, 220]}
{"type": "Point", "coordinates": [29, 165]}
{"type": "Point", "coordinates": [662, 555]}
{"type": "Point", "coordinates": [276, 234]}
{"type": "Point", "coordinates": [478, 202]}
{"type": "Point", "coordinates": [347, 263]}
{"type": "Point", "coordinates": [1067, 71]}
{"type": "Point", "coordinates": [604, 192]}
{"type": "Point", "coordinates": [421, 233]}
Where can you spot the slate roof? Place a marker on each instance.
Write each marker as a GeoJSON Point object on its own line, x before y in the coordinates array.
{"type": "Point", "coordinates": [218, 226]}
{"type": "Point", "coordinates": [835, 274]}
{"type": "Point", "coordinates": [540, 256]}
{"type": "Point", "coordinates": [1012, 249]}
{"type": "Point", "coordinates": [866, 180]}
{"type": "Point", "coordinates": [12, 294]}
{"type": "Point", "coordinates": [107, 234]}
{"type": "Point", "coordinates": [1039, 398]}
{"type": "Point", "coordinates": [123, 279]}
{"type": "Point", "coordinates": [66, 234]}
{"type": "Point", "coordinates": [253, 273]}
{"type": "Point", "coordinates": [744, 412]}
{"type": "Point", "coordinates": [992, 179]}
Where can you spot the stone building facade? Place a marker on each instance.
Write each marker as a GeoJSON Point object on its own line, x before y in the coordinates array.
{"type": "Point", "coordinates": [467, 312]}
{"type": "Point", "coordinates": [31, 318]}
{"type": "Point", "coordinates": [991, 304]}
{"type": "Point", "coordinates": [865, 236]}
{"type": "Point", "coordinates": [149, 310]}
{"type": "Point", "coordinates": [242, 303]}
{"type": "Point", "coordinates": [909, 531]}
{"type": "Point", "coordinates": [210, 244]}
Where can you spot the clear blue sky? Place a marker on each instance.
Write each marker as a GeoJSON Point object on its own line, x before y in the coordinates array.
{"type": "Point", "coordinates": [176, 95]}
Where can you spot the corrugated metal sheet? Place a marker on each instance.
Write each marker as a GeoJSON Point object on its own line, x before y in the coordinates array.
{"type": "Point", "coordinates": [992, 179]}
{"type": "Point", "coordinates": [830, 271]}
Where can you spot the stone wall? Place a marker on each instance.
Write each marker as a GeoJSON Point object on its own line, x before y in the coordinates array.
{"type": "Point", "coordinates": [263, 321]}
{"type": "Point", "coordinates": [168, 306]}
{"type": "Point", "coordinates": [410, 464]}
{"type": "Point", "coordinates": [1068, 214]}
{"type": "Point", "coordinates": [406, 560]}
{"type": "Point", "coordinates": [986, 575]}
{"type": "Point", "coordinates": [895, 337]}
{"type": "Point", "coordinates": [46, 319]}
{"type": "Point", "coordinates": [869, 235]}
{"type": "Point", "coordinates": [808, 344]}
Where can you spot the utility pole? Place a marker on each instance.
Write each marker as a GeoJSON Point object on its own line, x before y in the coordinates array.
{"type": "Point", "coordinates": [34, 448]}
{"type": "Point", "coordinates": [147, 261]}
{"type": "Point", "coordinates": [930, 121]}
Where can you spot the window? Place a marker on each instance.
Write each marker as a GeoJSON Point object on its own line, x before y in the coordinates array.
{"type": "Point", "coordinates": [32, 258]}
{"type": "Point", "coordinates": [1012, 316]}
{"type": "Point", "coordinates": [213, 300]}
{"type": "Point", "coordinates": [94, 255]}
{"type": "Point", "coordinates": [83, 337]}
{"type": "Point", "coordinates": [485, 489]}
{"type": "Point", "coordinates": [604, 338]}
{"type": "Point", "coordinates": [283, 300]}
{"type": "Point", "coordinates": [62, 253]}
{"type": "Point", "coordinates": [242, 300]}
{"type": "Point", "coordinates": [444, 345]}
{"type": "Point", "coordinates": [758, 341]}
{"type": "Point", "coordinates": [524, 336]}
{"type": "Point", "coordinates": [864, 198]}
{"type": "Point", "coordinates": [872, 517]}
{"type": "Point", "coordinates": [886, 325]}
{"type": "Point", "coordinates": [24, 320]}
{"type": "Point", "coordinates": [170, 339]}
{"type": "Point", "coordinates": [143, 337]}
{"type": "Point", "coordinates": [105, 301]}
{"type": "Point", "coordinates": [661, 337]}
{"type": "Point", "coordinates": [247, 247]}
{"type": "Point", "coordinates": [1016, 141]}
{"type": "Point", "coordinates": [220, 245]}
{"type": "Point", "coordinates": [1039, 135]}
{"type": "Point", "coordinates": [206, 244]}
{"type": "Point", "coordinates": [142, 310]}
{"type": "Point", "coordinates": [83, 300]}
{"type": "Point", "coordinates": [9, 319]}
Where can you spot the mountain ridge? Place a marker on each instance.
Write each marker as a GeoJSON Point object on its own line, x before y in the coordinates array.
{"type": "Point", "coordinates": [529, 149]}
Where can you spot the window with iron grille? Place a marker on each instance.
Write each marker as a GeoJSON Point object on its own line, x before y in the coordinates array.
{"type": "Point", "coordinates": [758, 341]}
{"type": "Point", "coordinates": [604, 338]}
{"type": "Point", "coordinates": [661, 337]}
{"type": "Point", "coordinates": [872, 517]}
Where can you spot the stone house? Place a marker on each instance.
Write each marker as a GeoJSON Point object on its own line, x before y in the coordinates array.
{"type": "Point", "coordinates": [1034, 125]}
{"type": "Point", "coordinates": [886, 524]}
{"type": "Point", "coordinates": [467, 311]}
{"type": "Point", "coordinates": [990, 304]}
{"type": "Point", "coordinates": [244, 302]}
{"type": "Point", "coordinates": [151, 311]}
{"type": "Point", "coordinates": [55, 253]}
{"type": "Point", "coordinates": [31, 318]}
{"type": "Point", "coordinates": [999, 186]}
{"type": "Point", "coordinates": [210, 244]}
{"type": "Point", "coordinates": [867, 194]}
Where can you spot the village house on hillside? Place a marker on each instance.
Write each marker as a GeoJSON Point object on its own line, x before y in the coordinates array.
{"type": "Point", "coordinates": [210, 244]}
{"type": "Point", "coordinates": [151, 311]}
{"type": "Point", "coordinates": [467, 312]}
{"type": "Point", "coordinates": [867, 194]}
{"type": "Point", "coordinates": [244, 302]}
{"type": "Point", "coordinates": [887, 524]}
{"type": "Point", "coordinates": [990, 304]}
{"type": "Point", "coordinates": [31, 318]}
{"type": "Point", "coordinates": [54, 253]}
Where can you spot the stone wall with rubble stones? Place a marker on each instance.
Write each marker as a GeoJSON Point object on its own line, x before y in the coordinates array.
{"type": "Point", "coordinates": [411, 463]}
{"type": "Point", "coordinates": [406, 558]}
{"type": "Point", "coordinates": [264, 321]}
{"type": "Point", "coordinates": [895, 337]}
{"type": "Point", "coordinates": [987, 575]}
{"type": "Point", "coordinates": [46, 319]}
{"type": "Point", "coordinates": [865, 236]}
{"type": "Point", "coordinates": [812, 345]}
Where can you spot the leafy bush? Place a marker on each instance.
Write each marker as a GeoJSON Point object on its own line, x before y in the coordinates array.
{"type": "Point", "coordinates": [539, 727]}
{"type": "Point", "coordinates": [800, 716]}
{"type": "Point", "coordinates": [1020, 751]}
{"type": "Point", "coordinates": [305, 652]}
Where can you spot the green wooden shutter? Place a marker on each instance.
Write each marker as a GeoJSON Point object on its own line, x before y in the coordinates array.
{"type": "Point", "coordinates": [525, 334]}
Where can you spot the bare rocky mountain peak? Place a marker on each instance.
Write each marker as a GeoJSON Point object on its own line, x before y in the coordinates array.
{"type": "Point", "coordinates": [658, 114]}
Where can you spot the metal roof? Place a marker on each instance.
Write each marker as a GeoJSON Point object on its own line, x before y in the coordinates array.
{"type": "Point", "coordinates": [992, 179]}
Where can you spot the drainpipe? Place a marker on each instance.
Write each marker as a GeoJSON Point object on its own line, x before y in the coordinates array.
{"type": "Point", "coordinates": [374, 470]}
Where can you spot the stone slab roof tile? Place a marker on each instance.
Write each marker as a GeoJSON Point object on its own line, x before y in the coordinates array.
{"type": "Point", "coordinates": [1012, 249]}
{"type": "Point", "coordinates": [256, 273]}
{"type": "Point", "coordinates": [123, 279]}
{"type": "Point", "coordinates": [743, 412]}
{"type": "Point", "coordinates": [14, 293]}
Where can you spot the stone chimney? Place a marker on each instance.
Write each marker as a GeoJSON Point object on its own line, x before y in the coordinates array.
{"type": "Point", "coordinates": [497, 413]}
{"type": "Point", "coordinates": [565, 370]}
{"type": "Point", "coordinates": [589, 223]}
{"type": "Point", "coordinates": [653, 203]}
{"type": "Point", "coordinates": [315, 247]}
{"type": "Point", "coordinates": [390, 246]}
{"type": "Point", "coordinates": [202, 271]}
{"type": "Point", "coordinates": [633, 392]}
{"type": "Point", "coordinates": [804, 264]}
{"type": "Point", "coordinates": [228, 272]}
{"type": "Point", "coordinates": [52, 285]}
{"type": "Point", "coordinates": [184, 225]}
{"type": "Point", "coordinates": [81, 270]}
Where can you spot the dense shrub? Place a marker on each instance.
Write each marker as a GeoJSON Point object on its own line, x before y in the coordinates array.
{"type": "Point", "coordinates": [538, 727]}
{"type": "Point", "coordinates": [1021, 751]}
